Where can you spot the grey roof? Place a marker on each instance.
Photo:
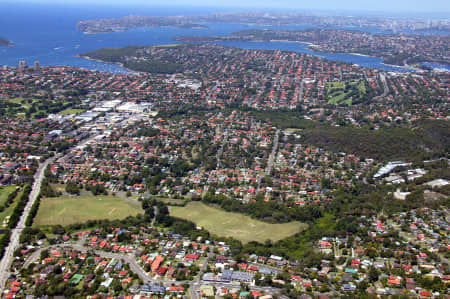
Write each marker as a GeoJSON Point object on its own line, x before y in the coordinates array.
{"type": "Point", "coordinates": [227, 274]}
{"type": "Point", "coordinates": [242, 276]}
{"type": "Point", "coordinates": [154, 288]}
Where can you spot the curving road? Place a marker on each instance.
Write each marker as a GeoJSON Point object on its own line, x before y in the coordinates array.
{"type": "Point", "coordinates": [136, 268]}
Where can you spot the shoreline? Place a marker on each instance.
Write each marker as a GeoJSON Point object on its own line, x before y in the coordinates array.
{"type": "Point", "coordinates": [310, 46]}
{"type": "Point", "coordinates": [408, 67]}
{"type": "Point", "coordinates": [317, 49]}
{"type": "Point", "coordinates": [363, 55]}
{"type": "Point", "coordinates": [113, 63]}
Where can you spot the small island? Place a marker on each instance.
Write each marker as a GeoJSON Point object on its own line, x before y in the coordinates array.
{"type": "Point", "coordinates": [5, 42]}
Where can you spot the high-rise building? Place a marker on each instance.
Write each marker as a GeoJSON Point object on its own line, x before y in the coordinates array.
{"type": "Point", "coordinates": [22, 65]}
{"type": "Point", "coordinates": [36, 66]}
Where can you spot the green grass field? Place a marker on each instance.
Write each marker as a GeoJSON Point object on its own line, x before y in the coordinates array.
{"type": "Point", "coordinates": [293, 130]}
{"type": "Point", "coordinates": [25, 103]}
{"type": "Point", "coordinates": [170, 200]}
{"type": "Point", "coordinates": [71, 111]}
{"type": "Point", "coordinates": [362, 87]}
{"type": "Point", "coordinates": [4, 192]}
{"type": "Point", "coordinates": [235, 225]}
{"type": "Point", "coordinates": [337, 93]}
{"type": "Point", "coordinates": [336, 85]}
{"type": "Point", "coordinates": [67, 210]}
{"type": "Point", "coordinates": [58, 187]}
{"type": "Point", "coordinates": [40, 111]}
{"type": "Point", "coordinates": [337, 98]}
{"type": "Point", "coordinates": [7, 212]}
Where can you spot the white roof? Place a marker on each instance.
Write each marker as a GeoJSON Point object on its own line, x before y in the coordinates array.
{"type": "Point", "coordinates": [438, 183]}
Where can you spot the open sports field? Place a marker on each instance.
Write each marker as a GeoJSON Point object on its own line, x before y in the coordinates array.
{"type": "Point", "coordinates": [67, 209]}
{"type": "Point", "coordinates": [235, 225]}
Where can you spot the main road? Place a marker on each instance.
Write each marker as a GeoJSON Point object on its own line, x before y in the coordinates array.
{"type": "Point", "coordinates": [14, 243]}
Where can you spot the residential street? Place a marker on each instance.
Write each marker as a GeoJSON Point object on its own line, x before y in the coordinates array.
{"type": "Point", "coordinates": [136, 268]}
{"type": "Point", "coordinates": [273, 154]}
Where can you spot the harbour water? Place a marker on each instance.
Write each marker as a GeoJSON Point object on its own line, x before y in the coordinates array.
{"type": "Point", "coordinates": [48, 34]}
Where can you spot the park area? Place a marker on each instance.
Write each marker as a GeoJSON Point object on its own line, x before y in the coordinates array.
{"type": "Point", "coordinates": [68, 209]}
{"type": "Point", "coordinates": [235, 225]}
{"type": "Point", "coordinates": [69, 111]}
{"type": "Point", "coordinates": [345, 93]}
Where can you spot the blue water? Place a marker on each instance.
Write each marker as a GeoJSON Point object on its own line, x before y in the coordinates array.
{"type": "Point", "coordinates": [48, 34]}
{"type": "Point", "coordinates": [364, 61]}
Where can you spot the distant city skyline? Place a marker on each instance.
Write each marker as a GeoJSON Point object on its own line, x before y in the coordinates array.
{"type": "Point", "coordinates": [397, 6]}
